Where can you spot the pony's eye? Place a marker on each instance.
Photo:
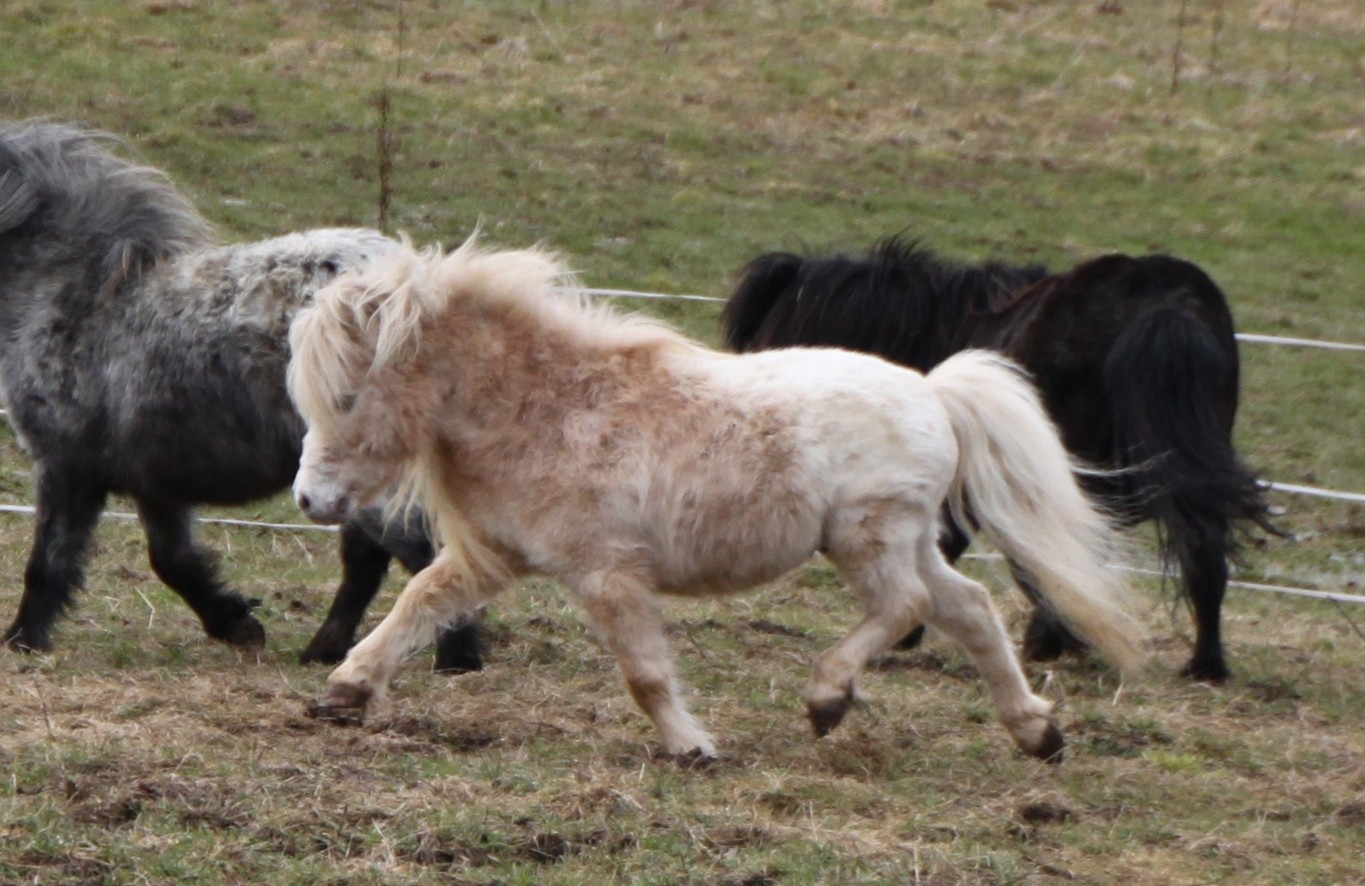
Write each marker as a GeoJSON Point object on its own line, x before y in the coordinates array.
{"type": "Point", "coordinates": [345, 403]}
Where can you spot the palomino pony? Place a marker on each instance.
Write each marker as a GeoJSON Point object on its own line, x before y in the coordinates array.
{"type": "Point", "coordinates": [140, 358]}
{"type": "Point", "coordinates": [544, 435]}
{"type": "Point", "coordinates": [1135, 359]}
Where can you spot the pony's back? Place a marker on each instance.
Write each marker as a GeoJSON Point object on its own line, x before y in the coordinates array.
{"type": "Point", "coordinates": [900, 301]}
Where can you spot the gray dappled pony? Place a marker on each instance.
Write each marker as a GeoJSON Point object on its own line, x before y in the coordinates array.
{"type": "Point", "coordinates": [139, 357]}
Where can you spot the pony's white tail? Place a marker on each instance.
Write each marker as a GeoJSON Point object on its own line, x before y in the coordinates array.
{"type": "Point", "coordinates": [1018, 484]}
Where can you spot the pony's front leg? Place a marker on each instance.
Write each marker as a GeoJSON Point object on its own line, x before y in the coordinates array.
{"type": "Point", "coordinates": [435, 597]}
{"type": "Point", "coordinates": [620, 608]}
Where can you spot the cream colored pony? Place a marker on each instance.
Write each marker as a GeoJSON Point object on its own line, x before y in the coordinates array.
{"type": "Point", "coordinates": [545, 435]}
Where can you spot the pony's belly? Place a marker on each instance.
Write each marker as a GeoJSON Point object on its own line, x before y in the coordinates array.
{"type": "Point", "coordinates": [731, 563]}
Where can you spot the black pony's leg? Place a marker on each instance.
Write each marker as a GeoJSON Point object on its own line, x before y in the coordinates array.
{"type": "Point", "coordinates": [187, 569]}
{"type": "Point", "coordinates": [68, 507]}
{"type": "Point", "coordinates": [1204, 575]}
{"type": "Point", "coordinates": [364, 564]}
{"type": "Point", "coordinates": [459, 649]}
{"type": "Point", "coordinates": [1046, 638]}
{"type": "Point", "coordinates": [367, 546]}
{"type": "Point", "coordinates": [953, 540]}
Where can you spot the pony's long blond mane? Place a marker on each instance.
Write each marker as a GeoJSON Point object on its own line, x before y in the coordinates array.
{"type": "Point", "coordinates": [371, 319]}
{"type": "Point", "coordinates": [374, 318]}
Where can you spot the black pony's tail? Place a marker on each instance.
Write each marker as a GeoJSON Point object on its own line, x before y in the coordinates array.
{"type": "Point", "coordinates": [1172, 385]}
{"type": "Point", "coordinates": [762, 284]}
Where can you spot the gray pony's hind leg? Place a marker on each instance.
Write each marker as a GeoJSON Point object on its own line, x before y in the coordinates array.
{"type": "Point", "coordinates": [188, 570]}
{"type": "Point", "coordinates": [68, 508]}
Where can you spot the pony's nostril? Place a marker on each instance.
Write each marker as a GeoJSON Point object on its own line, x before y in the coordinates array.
{"type": "Point", "coordinates": [344, 505]}
{"type": "Point", "coordinates": [305, 503]}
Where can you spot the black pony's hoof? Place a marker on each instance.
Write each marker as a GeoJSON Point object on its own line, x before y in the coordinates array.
{"type": "Point", "coordinates": [19, 640]}
{"type": "Point", "coordinates": [459, 650]}
{"type": "Point", "coordinates": [456, 664]}
{"type": "Point", "coordinates": [1049, 644]}
{"type": "Point", "coordinates": [1212, 670]}
{"type": "Point", "coordinates": [912, 639]}
{"type": "Point", "coordinates": [319, 654]}
{"type": "Point", "coordinates": [325, 648]}
{"type": "Point", "coordinates": [245, 632]}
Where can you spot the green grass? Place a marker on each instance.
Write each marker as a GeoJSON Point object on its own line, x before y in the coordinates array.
{"type": "Point", "coordinates": [660, 145]}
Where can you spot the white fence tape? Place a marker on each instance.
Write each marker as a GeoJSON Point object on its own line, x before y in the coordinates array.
{"type": "Point", "coordinates": [1241, 336]}
{"type": "Point", "coordinates": [628, 293]}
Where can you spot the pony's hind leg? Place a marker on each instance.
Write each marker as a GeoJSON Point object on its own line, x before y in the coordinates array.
{"type": "Point", "coordinates": [1204, 579]}
{"type": "Point", "coordinates": [953, 542]}
{"type": "Point", "coordinates": [438, 595]}
{"type": "Point", "coordinates": [962, 609]}
{"type": "Point", "coordinates": [877, 556]}
{"type": "Point", "coordinates": [619, 605]}
{"type": "Point", "coordinates": [188, 570]}
{"type": "Point", "coordinates": [68, 508]}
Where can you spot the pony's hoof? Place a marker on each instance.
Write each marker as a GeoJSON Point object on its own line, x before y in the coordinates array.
{"type": "Point", "coordinates": [826, 715]}
{"type": "Point", "coordinates": [343, 704]}
{"type": "Point", "coordinates": [246, 632]}
{"type": "Point", "coordinates": [697, 759]}
{"type": "Point", "coordinates": [19, 640]}
{"type": "Point", "coordinates": [1049, 645]}
{"type": "Point", "coordinates": [457, 664]}
{"type": "Point", "coordinates": [1052, 748]}
{"type": "Point", "coordinates": [1206, 670]}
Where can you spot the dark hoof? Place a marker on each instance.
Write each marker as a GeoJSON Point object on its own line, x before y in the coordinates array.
{"type": "Point", "coordinates": [323, 651]}
{"type": "Point", "coordinates": [459, 650]}
{"type": "Point", "coordinates": [697, 760]}
{"type": "Point", "coordinates": [462, 665]}
{"type": "Point", "coordinates": [1053, 746]}
{"type": "Point", "coordinates": [1206, 670]}
{"type": "Point", "coordinates": [826, 716]}
{"type": "Point", "coordinates": [912, 639]}
{"type": "Point", "coordinates": [343, 705]}
{"type": "Point", "coordinates": [246, 632]}
{"type": "Point", "coordinates": [1049, 644]}
{"type": "Point", "coordinates": [19, 640]}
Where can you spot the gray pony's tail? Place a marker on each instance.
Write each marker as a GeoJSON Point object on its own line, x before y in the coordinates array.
{"type": "Point", "coordinates": [65, 184]}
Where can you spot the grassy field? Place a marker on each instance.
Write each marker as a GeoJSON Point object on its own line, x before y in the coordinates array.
{"type": "Point", "coordinates": [660, 145]}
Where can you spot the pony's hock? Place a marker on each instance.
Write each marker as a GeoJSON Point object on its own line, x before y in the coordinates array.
{"type": "Point", "coordinates": [487, 383]}
{"type": "Point", "coordinates": [142, 358]}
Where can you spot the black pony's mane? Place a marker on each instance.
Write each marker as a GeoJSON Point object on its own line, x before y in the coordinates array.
{"type": "Point", "coordinates": [63, 184]}
{"type": "Point", "coordinates": [899, 298]}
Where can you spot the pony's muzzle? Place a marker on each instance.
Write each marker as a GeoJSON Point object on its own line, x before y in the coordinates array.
{"type": "Point", "coordinates": [324, 508]}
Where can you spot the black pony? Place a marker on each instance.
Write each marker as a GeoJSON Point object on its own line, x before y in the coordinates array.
{"type": "Point", "coordinates": [1135, 358]}
{"type": "Point", "coordinates": [138, 357]}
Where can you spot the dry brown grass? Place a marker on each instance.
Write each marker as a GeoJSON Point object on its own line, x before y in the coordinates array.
{"type": "Point", "coordinates": [661, 145]}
